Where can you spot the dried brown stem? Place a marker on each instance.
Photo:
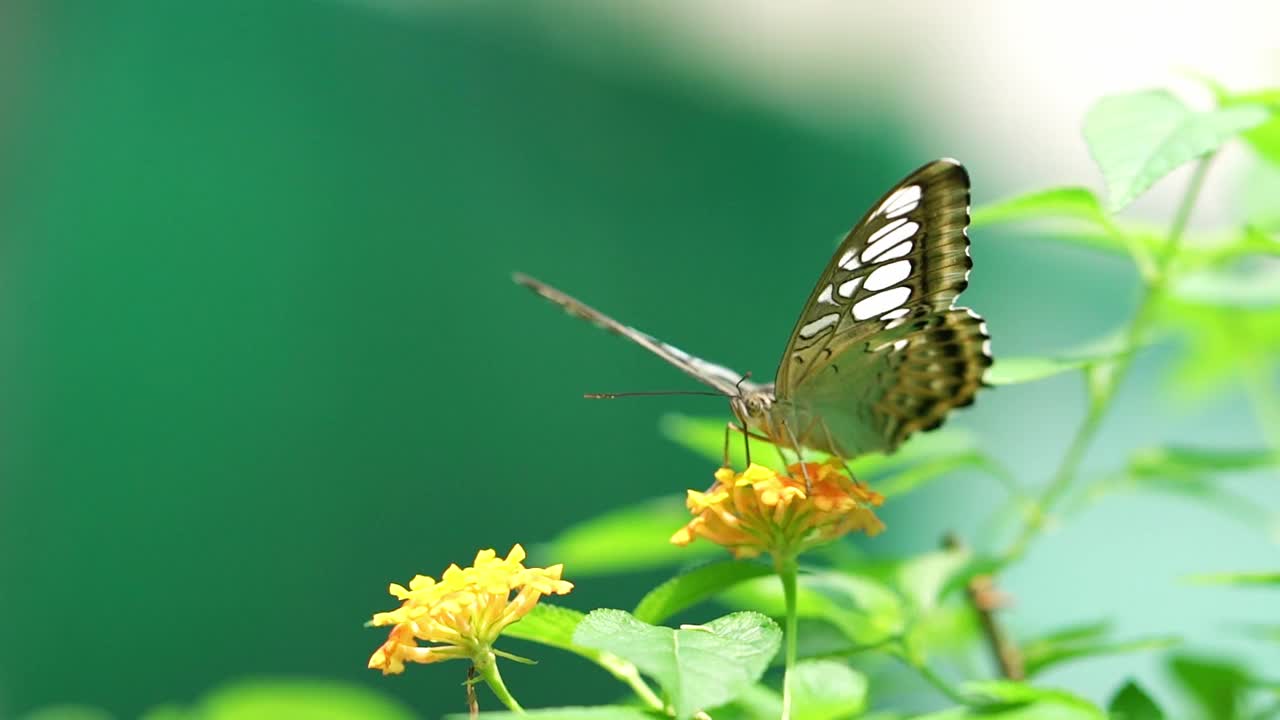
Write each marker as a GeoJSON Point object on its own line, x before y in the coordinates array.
{"type": "Point", "coordinates": [985, 599]}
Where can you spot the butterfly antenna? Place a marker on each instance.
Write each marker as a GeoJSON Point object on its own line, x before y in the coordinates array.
{"type": "Point", "coordinates": [652, 393]}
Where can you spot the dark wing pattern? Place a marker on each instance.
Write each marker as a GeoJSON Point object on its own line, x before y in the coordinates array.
{"type": "Point", "coordinates": [719, 377]}
{"type": "Point", "coordinates": [879, 351]}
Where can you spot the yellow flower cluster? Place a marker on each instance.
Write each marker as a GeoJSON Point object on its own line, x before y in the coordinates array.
{"type": "Point", "coordinates": [465, 612]}
{"type": "Point", "coordinates": [759, 511]}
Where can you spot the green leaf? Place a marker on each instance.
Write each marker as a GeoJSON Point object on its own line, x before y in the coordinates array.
{"type": "Point", "coordinates": [865, 610]}
{"type": "Point", "coordinates": [694, 586]}
{"type": "Point", "coordinates": [926, 471]}
{"type": "Point", "coordinates": [1250, 285]}
{"type": "Point", "coordinates": [923, 578]}
{"type": "Point", "coordinates": [1176, 459]}
{"type": "Point", "coordinates": [601, 712]}
{"type": "Point", "coordinates": [1007, 700]}
{"type": "Point", "coordinates": [757, 702]}
{"type": "Point", "coordinates": [1237, 578]}
{"type": "Point", "coordinates": [631, 538]}
{"type": "Point", "coordinates": [1077, 642]}
{"type": "Point", "coordinates": [1259, 189]}
{"type": "Point", "coordinates": [827, 690]}
{"type": "Point", "coordinates": [1018, 370]}
{"type": "Point", "coordinates": [1216, 685]}
{"type": "Point", "coordinates": [547, 624]}
{"type": "Point", "coordinates": [705, 436]}
{"type": "Point", "coordinates": [1265, 138]}
{"type": "Point", "coordinates": [1015, 370]}
{"type": "Point", "coordinates": [311, 699]}
{"type": "Point", "coordinates": [699, 666]}
{"type": "Point", "coordinates": [1074, 203]}
{"type": "Point", "coordinates": [1138, 138]}
{"type": "Point", "coordinates": [821, 690]}
{"type": "Point", "coordinates": [1195, 473]}
{"type": "Point", "coordinates": [1132, 703]}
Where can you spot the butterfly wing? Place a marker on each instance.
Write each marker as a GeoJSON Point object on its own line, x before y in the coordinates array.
{"type": "Point", "coordinates": [719, 377]}
{"type": "Point", "coordinates": [880, 351]}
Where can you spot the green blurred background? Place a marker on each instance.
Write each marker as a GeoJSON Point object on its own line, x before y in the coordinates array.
{"type": "Point", "coordinates": [261, 354]}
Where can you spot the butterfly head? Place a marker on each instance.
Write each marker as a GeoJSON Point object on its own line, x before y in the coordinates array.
{"type": "Point", "coordinates": [752, 404]}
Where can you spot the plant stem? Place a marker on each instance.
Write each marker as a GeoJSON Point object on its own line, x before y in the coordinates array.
{"type": "Point", "coordinates": [627, 673]}
{"type": "Point", "coordinates": [1104, 391]}
{"type": "Point", "coordinates": [934, 679]}
{"type": "Point", "coordinates": [787, 571]}
{"type": "Point", "coordinates": [488, 669]}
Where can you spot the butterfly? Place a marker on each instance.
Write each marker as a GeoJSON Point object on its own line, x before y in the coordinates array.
{"type": "Point", "coordinates": [880, 350]}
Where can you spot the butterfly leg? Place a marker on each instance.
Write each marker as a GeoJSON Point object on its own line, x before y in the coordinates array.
{"type": "Point", "coordinates": [728, 428]}
{"type": "Point", "coordinates": [831, 443]}
{"type": "Point", "coordinates": [795, 445]}
{"type": "Point", "coordinates": [747, 436]}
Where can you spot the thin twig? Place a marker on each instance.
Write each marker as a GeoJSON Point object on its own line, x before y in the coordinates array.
{"type": "Point", "coordinates": [473, 704]}
{"type": "Point", "coordinates": [985, 599]}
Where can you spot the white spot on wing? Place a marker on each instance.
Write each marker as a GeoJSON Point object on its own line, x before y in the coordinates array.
{"type": "Point", "coordinates": [888, 275]}
{"type": "Point", "coordinates": [901, 231]}
{"type": "Point", "coordinates": [880, 303]}
{"type": "Point", "coordinates": [894, 315]}
{"type": "Point", "coordinates": [817, 326]}
{"type": "Point", "coordinates": [825, 297]}
{"type": "Point", "coordinates": [897, 346]}
{"type": "Point", "coordinates": [902, 202]}
{"type": "Point", "coordinates": [849, 287]}
{"type": "Point", "coordinates": [888, 228]}
{"type": "Point", "coordinates": [849, 261]}
{"type": "Point", "coordinates": [896, 251]}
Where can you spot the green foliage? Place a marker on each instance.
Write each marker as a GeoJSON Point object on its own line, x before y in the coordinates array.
{"type": "Point", "coordinates": [1246, 579]}
{"type": "Point", "coordinates": [865, 610]}
{"type": "Point", "coordinates": [549, 625]}
{"type": "Point", "coordinates": [694, 586]}
{"type": "Point", "coordinates": [697, 666]}
{"type": "Point", "coordinates": [1139, 138]}
{"type": "Point", "coordinates": [1072, 203]}
{"type": "Point", "coordinates": [1195, 473]}
{"type": "Point", "coordinates": [1001, 700]}
{"type": "Point", "coordinates": [823, 690]}
{"type": "Point", "coordinates": [1217, 686]}
{"type": "Point", "coordinates": [1131, 702]}
{"type": "Point", "coordinates": [628, 539]}
{"type": "Point", "coordinates": [1217, 292]}
{"type": "Point", "coordinates": [1080, 642]}
{"type": "Point", "coordinates": [599, 712]}
{"type": "Point", "coordinates": [1265, 138]}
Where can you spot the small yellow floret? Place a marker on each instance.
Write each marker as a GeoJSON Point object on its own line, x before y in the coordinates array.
{"type": "Point", "coordinates": [463, 613]}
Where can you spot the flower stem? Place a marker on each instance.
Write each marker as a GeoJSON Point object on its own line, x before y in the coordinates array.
{"type": "Point", "coordinates": [787, 572]}
{"type": "Point", "coordinates": [1104, 391]}
{"type": "Point", "coordinates": [488, 669]}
